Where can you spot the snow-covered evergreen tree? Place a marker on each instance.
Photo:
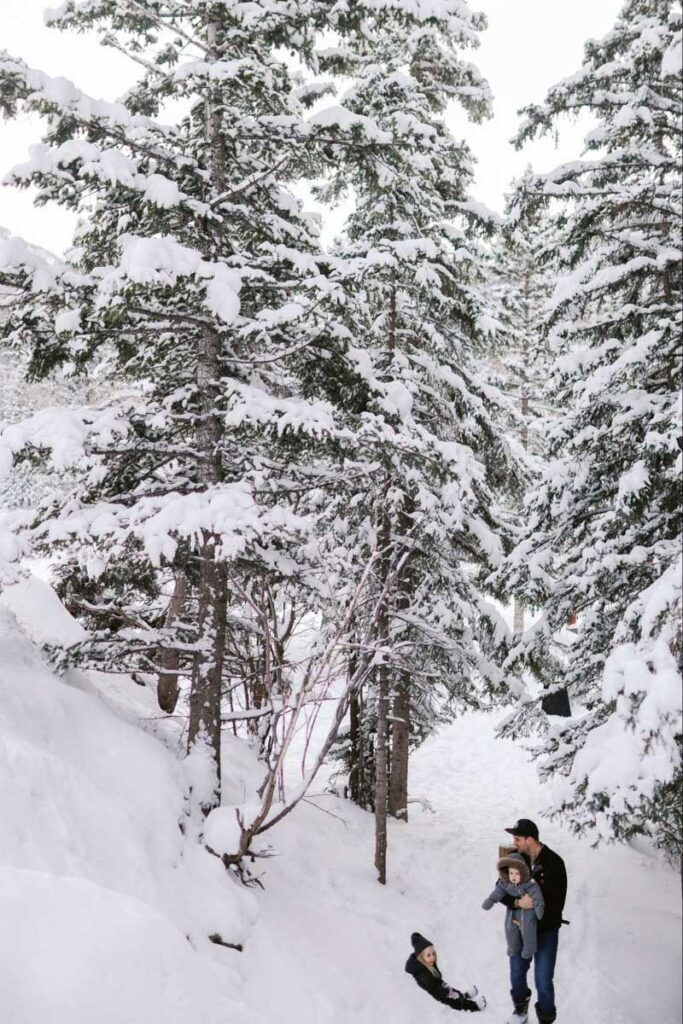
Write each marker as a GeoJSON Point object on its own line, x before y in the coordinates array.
{"type": "Point", "coordinates": [421, 415]}
{"type": "Point", "coordinates": [604, 526]}
{"type": "Point", "coordinates": [19, 397]}
{"type": "Point", "coordinates": [194, 269]}
{"type": "Point", "coordinates": [521, 280]}
{"type": "Point", "coordinates": [523, 272]}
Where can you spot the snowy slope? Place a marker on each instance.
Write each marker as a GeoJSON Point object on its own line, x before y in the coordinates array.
{"type": "Point", "coordinates": [347, 938]}
{"type": "Point", "coordinates": [105, 909]}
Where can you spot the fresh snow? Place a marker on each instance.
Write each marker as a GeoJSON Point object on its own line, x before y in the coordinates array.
{"type": "Point", "coordinates": [105, 908]}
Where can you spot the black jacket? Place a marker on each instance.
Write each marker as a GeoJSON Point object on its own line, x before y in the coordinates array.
{"type": "Point", "coordinates": [433, 983]}
{"type": "Point", "coordinates": [550, 873]}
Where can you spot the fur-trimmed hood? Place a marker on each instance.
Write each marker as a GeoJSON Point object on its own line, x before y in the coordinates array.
{"type": "Point", "coordinates": [513, 860]}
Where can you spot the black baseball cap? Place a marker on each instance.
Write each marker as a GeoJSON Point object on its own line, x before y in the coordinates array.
{"type": "Point", "coordinates": [524, 827]}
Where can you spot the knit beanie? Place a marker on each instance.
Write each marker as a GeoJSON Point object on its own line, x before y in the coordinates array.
{"type": "Point", "coordinates": [419, 942]}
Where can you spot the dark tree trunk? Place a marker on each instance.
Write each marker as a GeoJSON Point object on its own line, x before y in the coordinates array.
{"type": "Point", "coordinates": [169, 658]}
{"type": "Point", "coordinates": [382, 738]}
{"type": "Point", "coordinates": [356, 748]}
{"type": "Point", "coordinates": [400, 737]}
{"type": "Point", "coordinates": [384, 638]}
{"type": "Point", "coordinates": [400, 716]}
{"type": "Point", "coordinates": [207, 669]}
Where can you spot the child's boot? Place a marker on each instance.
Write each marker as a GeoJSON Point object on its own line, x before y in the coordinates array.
{"type": "Point", "coordinates": [475, 996]}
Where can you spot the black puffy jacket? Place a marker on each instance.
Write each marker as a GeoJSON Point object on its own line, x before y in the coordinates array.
{"type": "Point", "coordinates": [436, 986]}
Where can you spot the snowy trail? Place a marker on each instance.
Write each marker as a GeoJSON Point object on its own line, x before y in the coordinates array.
{"type": "Point", "coordinates": [619, 958]}
{"type": "Point", "coordinates": [99, 895]}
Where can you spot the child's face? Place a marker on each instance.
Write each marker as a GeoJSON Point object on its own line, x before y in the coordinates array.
{"type": "Point", "coordinates": [515, 876]}
{"type": "Point", "coordinates": [429, 956]}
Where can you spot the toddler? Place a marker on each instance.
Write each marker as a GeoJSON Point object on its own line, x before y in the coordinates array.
{"type": "Point", "coordinates": [520, 925]}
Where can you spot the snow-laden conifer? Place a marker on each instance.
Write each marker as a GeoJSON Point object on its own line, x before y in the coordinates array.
{"type": "Point", "coordinates": [522, 276]}
{"type": "Point", "coordinates": [603, 528]}
{"type": "Point", "coordinates": [408, 379]}
{"type": "Point", "coordinates": [192, 278]}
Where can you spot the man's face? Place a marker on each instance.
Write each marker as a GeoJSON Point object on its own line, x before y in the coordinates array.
{"type": "Point", "coordinates": [522, 844]}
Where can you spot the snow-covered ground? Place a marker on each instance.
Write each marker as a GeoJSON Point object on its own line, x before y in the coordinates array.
{"type": "Point", "coordinates": [347, 938]}
{"type": "Point", "coordinates": [105, 908]}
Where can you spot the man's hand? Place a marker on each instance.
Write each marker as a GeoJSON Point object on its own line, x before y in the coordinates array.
{"type": "Point", "coordinates": [525, 902]}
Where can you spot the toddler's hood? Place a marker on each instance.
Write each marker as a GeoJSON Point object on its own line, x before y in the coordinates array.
{"type": "Point", "coordinates": [513, 860]}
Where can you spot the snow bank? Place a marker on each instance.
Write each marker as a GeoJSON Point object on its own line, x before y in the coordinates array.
{"type": "Point", "coordinates": [74, 951]}
{"type": "Point", "coordinates": [105, 908]}
{"type": "Point", "coordinates": [41, 614]}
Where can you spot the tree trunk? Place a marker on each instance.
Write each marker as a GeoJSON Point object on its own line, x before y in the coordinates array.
{"type": "Point", "coordinates": [557, 703]}
{"type": "Point", "coordinates": [383, 637]}
{"type": "Point", "coordinates": [382, 749]}
{"type": "Point", "coordinates": [400, 716]}
{"type": "Point", "coordinates": [518, 613]}
{"type": "Point", "coordinates": [357, 784]}
{"type": "Point", "coordinates": [207, 668]}
{"type": "Point", "coordinates": [400, 736]}
{"type": "Point", "coordinates": [169, 658]}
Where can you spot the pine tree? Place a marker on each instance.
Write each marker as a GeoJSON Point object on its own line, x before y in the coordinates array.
{"type": "Point", "coordinates": [407, 380]}
{"type": "Point", "coordinates": [194, 276]}
{"type": "Point", "coordinates": [523, 272]}
{"type": "Point", "coordinates": [603, 536]}
{"type": "Point", "coordinates": [521, 280]}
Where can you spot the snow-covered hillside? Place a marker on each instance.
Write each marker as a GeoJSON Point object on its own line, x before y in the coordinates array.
{"type": "Point", "coordinates": [619, 958]}
{"type": "Point", "coordinates": [105, 909]}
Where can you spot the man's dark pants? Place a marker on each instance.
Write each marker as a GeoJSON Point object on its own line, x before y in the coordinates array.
{"type": "Point", "coordinates": [544, 969]}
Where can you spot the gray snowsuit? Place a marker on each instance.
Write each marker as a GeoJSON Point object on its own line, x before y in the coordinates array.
{"type": "Point", "coordinates": [521, 939]}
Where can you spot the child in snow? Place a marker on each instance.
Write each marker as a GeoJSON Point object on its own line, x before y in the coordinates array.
{"type": "Point", "coordinates": [422, 966]}
{"type": "Point", "coordinates": [520, 925]}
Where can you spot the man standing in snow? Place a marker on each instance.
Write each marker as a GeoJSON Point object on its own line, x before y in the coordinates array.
{"type": "Point", "coordinates": [548, 870]}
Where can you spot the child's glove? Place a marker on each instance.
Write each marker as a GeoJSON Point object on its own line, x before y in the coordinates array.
{"type": "Point", "coordinates": [472, 999]}
{"type": "Point", "coordinates": [470, 1004]}
{"type": "Point", "coordinates": [476, 997]}
{"type": "Point", "coordinates": [487, 904]}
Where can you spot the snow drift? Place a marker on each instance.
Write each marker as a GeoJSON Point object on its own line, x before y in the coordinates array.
{"type": "Point", "coordinates": [105, 908]}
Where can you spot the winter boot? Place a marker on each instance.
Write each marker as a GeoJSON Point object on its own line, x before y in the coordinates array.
{"type": "Point", "coordinates": [545, 1018]}
{"type": "Point", "coordinates": [520, 1014]}
{"type": "Point", "coordinates": [475, 996]}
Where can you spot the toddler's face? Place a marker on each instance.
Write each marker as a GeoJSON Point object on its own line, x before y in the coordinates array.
{"type": "Point", "coordinates": [515, 876]}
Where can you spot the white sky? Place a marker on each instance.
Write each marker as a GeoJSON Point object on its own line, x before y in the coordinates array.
{"type": "Point", "coordinates": [530, 44]}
